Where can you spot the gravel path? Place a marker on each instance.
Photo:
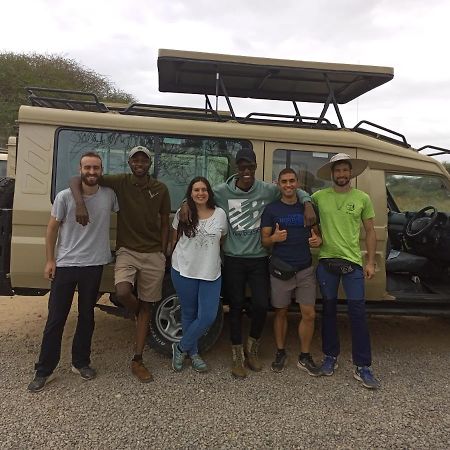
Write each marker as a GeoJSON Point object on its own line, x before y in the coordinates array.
{"type": "Point", "coordinates": [190, 410]}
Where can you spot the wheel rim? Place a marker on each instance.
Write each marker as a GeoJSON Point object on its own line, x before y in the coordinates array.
{"type": "Point", "coordinates": [168, 318]}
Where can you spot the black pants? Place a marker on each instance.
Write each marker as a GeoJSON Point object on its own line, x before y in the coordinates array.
{"type": "Point", "coordinates": [237, 272]}
{"type": "Point", "coordinates": [62, 290]}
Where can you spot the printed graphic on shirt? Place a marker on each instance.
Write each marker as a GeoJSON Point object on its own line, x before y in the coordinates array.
{"type": "Point", "coordinates": [245, 215]}
{"type": "Point", "coordinates": [205, 238]}
{"type": "Point", "coordinates": [291, 220]}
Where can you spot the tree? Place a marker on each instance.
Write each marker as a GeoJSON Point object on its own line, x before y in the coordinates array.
{"type": "Point", "coordinates": [447, 166]}
{"type": "Point", "coordinates": [18, 71]}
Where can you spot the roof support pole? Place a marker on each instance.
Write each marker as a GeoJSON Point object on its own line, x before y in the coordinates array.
{"type": "Point", "coordinates": [298, 116]}
{"type": "Point", "coordinates": [225, 94]}
{"type": "Point", "coordinates": [331, 98]}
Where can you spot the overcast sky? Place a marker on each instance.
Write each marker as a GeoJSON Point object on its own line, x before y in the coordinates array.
{"type": "Point", "coordinates": [121, 40]}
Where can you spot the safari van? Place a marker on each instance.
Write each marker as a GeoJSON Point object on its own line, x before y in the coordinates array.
{"type": "Point", "coordinates": [409, 188]}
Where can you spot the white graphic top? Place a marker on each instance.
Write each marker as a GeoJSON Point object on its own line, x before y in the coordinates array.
{"type": "Point", "coordinates": [199, 257]}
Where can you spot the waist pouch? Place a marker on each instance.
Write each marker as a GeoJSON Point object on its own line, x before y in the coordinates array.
{"type": "Point", "coordinates": [283, 270]}
{"type": "Point", "coordinates": [339, 266]}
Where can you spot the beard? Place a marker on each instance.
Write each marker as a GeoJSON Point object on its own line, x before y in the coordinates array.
{"type": "Point", "coordinates": [89, 182]}
{"type": "Point", "coordinates": [341, 181]}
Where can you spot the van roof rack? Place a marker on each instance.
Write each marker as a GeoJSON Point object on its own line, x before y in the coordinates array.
{"type": "Point", "coordinates": [439, 150]}
{"type": "Point", "coordinates": [76, 100]}
{"type": "Point", "coordinates": [270, 79]}
{"type": "Point", "coordinates": [399, 140]}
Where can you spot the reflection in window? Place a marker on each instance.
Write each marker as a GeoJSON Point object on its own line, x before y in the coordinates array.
{"type": "Point", "coordinates": [305, 164]}
{"type": "Point", "coordinates": [176, 159]}
{"type": "Point", "coordinates": [414, 192]}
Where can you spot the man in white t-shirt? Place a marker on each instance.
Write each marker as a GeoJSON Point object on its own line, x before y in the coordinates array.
{"type": "Point", "coordinates": [81, 253]}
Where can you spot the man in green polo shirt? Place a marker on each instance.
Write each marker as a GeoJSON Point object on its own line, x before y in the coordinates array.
{"type": "Point", "coordinates": [142, 237]}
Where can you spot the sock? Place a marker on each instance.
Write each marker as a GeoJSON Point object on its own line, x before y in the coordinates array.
{"type": "Point", "coordinates": [281, 351]}
{"type": "Point", "coordinates": [137, 357]}
{"type": "Point", "coordinates": [303, 355]}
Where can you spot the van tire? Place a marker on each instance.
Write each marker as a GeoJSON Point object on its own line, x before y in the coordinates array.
{"type": "Point", "coordinates": [165, 323]}
{"type": "Point", "coordinates": [6, 192]}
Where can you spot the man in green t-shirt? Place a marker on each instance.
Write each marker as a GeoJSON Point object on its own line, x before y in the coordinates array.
{"type": "Point", "coordinates": [142, 237]}
{"type": "Point", "coordinates": [342, 208]}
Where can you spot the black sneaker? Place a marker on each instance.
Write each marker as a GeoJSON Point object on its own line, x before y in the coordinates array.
{"type": "Point", "coordinates": [39, 383]}
{"type": "Point", "coordinates": [280, 361]}
{"type": "Point", "coordinates": [87, 373]}
{"type": "Point", "coordinates": [308, 364]}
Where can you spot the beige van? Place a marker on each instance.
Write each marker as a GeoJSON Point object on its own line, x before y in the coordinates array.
{"type": "Point", "coordinates": [410, 190]}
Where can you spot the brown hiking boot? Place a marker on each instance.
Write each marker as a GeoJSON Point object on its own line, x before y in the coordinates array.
{"type": "Point", "coordinates": [141, 372]}
{"type": "Point", "coordinates": [238, 370]}
{"type": "Point", "coordinates": [251, 354]}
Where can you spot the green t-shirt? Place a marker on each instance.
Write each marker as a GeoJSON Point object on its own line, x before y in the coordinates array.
{"type": "Point", "coordinates": [140, 207]}
{"type": "Point", "coordinates": [340, 221]}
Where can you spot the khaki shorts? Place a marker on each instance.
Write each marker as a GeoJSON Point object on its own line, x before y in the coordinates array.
{"type": "Point", "coordinates": [145, 268]}
{"type": "Point", "coordinates": [303, 284]}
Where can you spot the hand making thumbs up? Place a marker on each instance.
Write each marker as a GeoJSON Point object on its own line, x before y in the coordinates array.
{"type": "Point", "coordinates": [279, 235]}
{"type": "Point", "coordinates": [315, 240]}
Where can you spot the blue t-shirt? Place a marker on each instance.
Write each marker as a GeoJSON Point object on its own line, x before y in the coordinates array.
{"type": "Point", "coordinates": [295, 249]}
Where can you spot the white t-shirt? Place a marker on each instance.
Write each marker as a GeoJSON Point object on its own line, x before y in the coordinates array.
{"type": "Point", "coordinates": [199, 257]}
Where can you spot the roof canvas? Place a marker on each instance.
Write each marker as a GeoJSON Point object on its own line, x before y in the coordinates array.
{"type": "Point", "coordinates": [264, 78]}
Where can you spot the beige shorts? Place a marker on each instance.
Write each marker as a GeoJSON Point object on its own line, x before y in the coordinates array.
{"type": "Point", "coordinates": [303, 284]}
{"type": "Point", "coordinates": [147, 269]}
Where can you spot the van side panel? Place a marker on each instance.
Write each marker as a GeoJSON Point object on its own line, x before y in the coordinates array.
{"type": "Point", "coordinates": [31, 205]}
{"type": "Point", "coordinates": [372, 181]}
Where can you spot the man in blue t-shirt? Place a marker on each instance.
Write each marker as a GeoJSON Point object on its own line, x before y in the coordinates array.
{"type": "Point", "coordinates": [283, 230]}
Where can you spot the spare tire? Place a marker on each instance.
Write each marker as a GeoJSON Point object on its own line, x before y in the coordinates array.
{"type": "Point", "coordinates": [6, 192]}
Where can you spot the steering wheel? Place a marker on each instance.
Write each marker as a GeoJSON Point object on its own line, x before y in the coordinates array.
{"type": "Point", "coordinates": [421, 222]}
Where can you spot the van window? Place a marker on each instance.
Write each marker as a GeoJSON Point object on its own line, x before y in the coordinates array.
{"type": "Point", "coordinates": [176, 159]}
{"type": "Point", "coordinates": [414, 192]}
{"type": "Point", "coordinates": [305, 163]}
{"type": "Point", "coordinates": [3, 164]}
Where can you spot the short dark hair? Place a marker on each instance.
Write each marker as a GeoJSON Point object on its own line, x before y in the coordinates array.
{"type": "Point", "coordinates": [288, 170]}
{"type": "Point", "coordinates": [91, 155]}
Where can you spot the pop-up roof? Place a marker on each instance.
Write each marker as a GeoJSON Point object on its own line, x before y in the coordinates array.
{"type": "Point", "coordinates": [264, 78]}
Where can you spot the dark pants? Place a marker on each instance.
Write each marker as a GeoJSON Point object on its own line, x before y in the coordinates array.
{"type": "Point", "coordinates": [353, 284]}
{"type": "Point", "coordinates": [62, 290]}
{"type": "Point", "coordinates": [237, 272]}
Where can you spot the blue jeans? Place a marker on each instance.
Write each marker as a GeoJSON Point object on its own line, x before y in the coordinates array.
{"type": "Point", "coordinates": [353, 284]}
{"type": "Point", "coordinates": [199, 301]}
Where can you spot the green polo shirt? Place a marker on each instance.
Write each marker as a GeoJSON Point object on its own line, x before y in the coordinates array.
{"type": "Point", "coordinates": [140, 207]}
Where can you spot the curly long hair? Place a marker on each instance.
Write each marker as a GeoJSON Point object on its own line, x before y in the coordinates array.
{"type": "Point", "coordinates": [189, 228]}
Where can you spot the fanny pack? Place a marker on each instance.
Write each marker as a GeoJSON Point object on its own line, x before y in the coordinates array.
{"type": "Point", "coordinates": [338, 266]}
{"type": "Point", "coordinates": [283, 270]}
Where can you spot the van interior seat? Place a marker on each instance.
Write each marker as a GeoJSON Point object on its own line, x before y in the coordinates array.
{"type": "Point", "coordinates": [399, 261]}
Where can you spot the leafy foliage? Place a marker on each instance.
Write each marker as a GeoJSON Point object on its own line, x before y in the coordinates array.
{"type": "Point", "coordinates": [18, 71]}
{"type": "Point", "coordinates": [447, 166]}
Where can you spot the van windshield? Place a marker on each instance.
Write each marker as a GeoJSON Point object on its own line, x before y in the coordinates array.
{"type": "Point", "coordinates": [414, 192]}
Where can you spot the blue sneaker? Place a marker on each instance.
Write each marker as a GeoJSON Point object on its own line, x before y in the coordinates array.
{"type": "Point", "coordinates": [329, 365]}
{"type": "Point", "coordinates": [198, 364]}
{"type": "Point", "coordinates": [177, 358]}
{"type": "Point", "coordinates": [365, 375]}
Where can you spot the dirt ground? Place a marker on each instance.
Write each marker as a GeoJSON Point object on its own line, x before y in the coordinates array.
{"type": "Point", "coordinates": [267, 410]}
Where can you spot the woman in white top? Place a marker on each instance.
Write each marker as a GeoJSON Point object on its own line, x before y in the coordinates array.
{"type": "Point", "coordinates": [196, 272]}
